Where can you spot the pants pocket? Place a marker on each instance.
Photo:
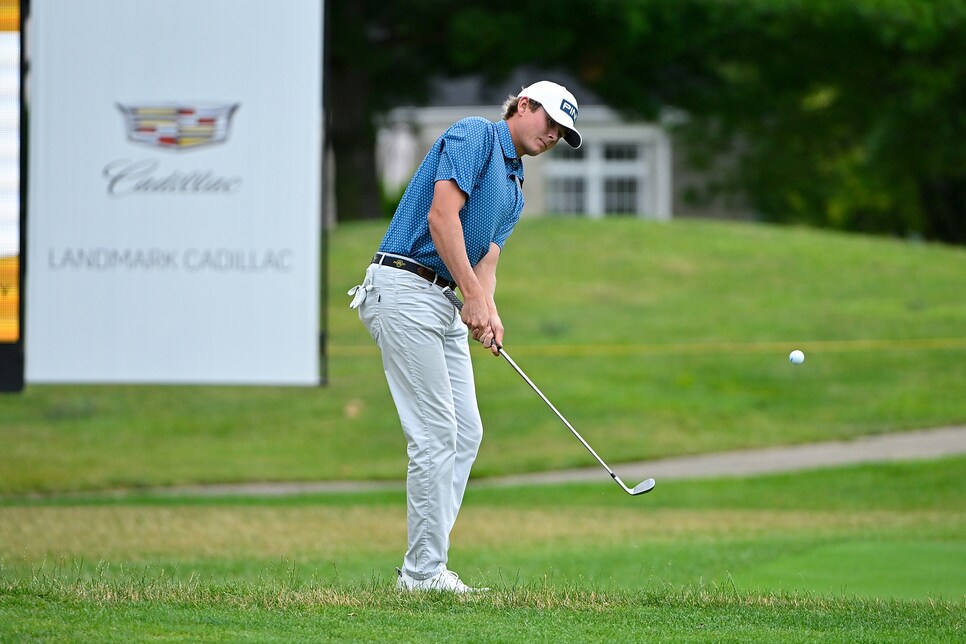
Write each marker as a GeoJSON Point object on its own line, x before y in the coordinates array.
{"type": "Point", "coordinates": [369, 315]}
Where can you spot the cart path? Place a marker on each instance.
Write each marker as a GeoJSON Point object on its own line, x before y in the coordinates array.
{"type": "Point", "coordinates": [898, 446]}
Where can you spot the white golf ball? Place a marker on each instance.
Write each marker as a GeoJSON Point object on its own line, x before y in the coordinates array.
{"type": "Point", "coordinates": [796, 357]}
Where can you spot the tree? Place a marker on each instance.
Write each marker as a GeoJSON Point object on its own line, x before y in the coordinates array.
{"type": "Point", "coordinates": [841, 114]}
{"type": "Point", "coordinates": [380, 53]}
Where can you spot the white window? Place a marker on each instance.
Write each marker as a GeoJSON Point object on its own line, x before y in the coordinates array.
{"type": "Point", "coordinates": [621, 196]}
{"type": "Point", "coordinates": [567, 195]}
{"type": "Point", "coordinates": [620, 171]}
{"type": "Point", "coordinates": [564, 152]}
{"type": "Point", "coordinates": [621, 151]}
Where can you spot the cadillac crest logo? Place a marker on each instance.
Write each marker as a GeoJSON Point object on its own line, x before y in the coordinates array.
{"type": "Point", "coordinates": [175, 126]}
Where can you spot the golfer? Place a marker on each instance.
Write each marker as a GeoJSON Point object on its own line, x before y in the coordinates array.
{"type": "Point", "coordinates": [448, 231]}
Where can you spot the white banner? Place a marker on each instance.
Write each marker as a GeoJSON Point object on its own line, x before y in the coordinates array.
{"type": "Point", "coordinates": [173, 222]}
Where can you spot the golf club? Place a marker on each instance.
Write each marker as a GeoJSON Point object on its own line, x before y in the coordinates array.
{"type": "Point", "coordinates": [641, 488]}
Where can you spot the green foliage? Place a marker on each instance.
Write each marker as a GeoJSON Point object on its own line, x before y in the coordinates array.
{"type": "Point", "coordinates": [379, 54]}
{"type": "Point", "coordinates": [839, 114]}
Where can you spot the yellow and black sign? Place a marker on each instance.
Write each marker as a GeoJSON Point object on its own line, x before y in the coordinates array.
{"type": "Point", "coordinates": [11, 350]}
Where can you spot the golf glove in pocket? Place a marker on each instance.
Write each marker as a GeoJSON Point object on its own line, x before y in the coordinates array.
{"type": "Point", "coordinates": [359, 294]}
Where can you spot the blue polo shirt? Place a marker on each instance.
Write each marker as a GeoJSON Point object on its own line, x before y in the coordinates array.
{"type": "Point", "coordinates": [479, 155]}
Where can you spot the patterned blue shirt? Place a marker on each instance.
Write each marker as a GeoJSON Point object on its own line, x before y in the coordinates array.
{"type": "Point", "coordinates": [479, 155]}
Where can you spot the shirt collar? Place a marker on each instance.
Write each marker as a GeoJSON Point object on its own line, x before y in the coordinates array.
{"type": "Point", "coordinates": [509, 150]}
{"type": "Point", "coordinates": [506, 141]}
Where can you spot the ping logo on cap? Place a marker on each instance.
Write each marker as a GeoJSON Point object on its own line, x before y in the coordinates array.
{"type": "Point", "coordinates": [569, 109]}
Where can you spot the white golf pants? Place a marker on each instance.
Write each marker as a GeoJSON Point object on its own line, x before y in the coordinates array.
{"type": "Point", "coordinates": [425, 355]}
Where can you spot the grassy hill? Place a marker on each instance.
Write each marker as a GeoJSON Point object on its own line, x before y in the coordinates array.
{"type": "Point", "coordinates": [653, 339]}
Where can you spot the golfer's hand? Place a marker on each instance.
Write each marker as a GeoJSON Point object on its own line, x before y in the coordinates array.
{"type": "Point", "coordinates": [493, 338]}
{"type": "Point", "coordinates": [485, 327]}
{"type": "Point", "coordinates": [476, 316]}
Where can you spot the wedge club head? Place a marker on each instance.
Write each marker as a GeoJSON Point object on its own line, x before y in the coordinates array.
{"type": "Point", "coordinates": [641, 488]}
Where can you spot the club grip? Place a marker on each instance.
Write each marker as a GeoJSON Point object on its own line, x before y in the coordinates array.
{"type": "Point", "coordinates": [451, 296]}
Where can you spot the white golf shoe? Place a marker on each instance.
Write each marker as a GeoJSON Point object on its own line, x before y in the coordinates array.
{"type": "Point", "coordinates": [445, 580]}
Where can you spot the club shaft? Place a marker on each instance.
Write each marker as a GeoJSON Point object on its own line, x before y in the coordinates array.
{"type": "Point", "coordinates": [533, 386]}
{"type": "Point", "coordinates": [451, 296]}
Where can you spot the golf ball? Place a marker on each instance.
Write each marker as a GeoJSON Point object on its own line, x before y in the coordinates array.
{"type": "Point", "coordinates": [796, 357]}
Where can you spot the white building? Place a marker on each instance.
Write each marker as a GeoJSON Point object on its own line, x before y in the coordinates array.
{"type": "Point", "coordinates": [621, 169]}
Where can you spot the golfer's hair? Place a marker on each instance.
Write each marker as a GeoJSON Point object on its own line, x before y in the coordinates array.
{"type": "Point", "coordinates": [512, 103]}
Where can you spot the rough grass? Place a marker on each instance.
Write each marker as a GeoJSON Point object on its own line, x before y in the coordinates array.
{"type": "Point", "coordinates": [865, 553]}
{"type": "Point", "coordinates": [155, 609]}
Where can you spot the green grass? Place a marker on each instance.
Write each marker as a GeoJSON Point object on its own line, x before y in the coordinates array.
{"type": "Point", "coordinates": [253, 613]}
{"type": "Point", "coordinates": [916, 569]}
{"type": "Point", "coordinates": [865, 553]}
{"type": "Point", "coordinates": [653, 339]}
{"type": "Point", "coordinates": [683, 533]}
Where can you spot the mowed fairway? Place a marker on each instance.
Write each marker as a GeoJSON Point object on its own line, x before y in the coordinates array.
{"type": "Point", "coordinates": [667, 340]}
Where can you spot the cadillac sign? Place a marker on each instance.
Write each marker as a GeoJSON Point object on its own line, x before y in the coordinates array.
{"type": "Point", "coordinates": [175, 126]}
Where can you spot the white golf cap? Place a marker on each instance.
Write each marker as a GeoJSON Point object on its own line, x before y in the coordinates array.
{"type": "Point", "coordinates": [559, 103]}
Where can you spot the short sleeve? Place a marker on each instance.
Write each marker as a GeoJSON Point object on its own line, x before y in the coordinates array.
{"type": "Point", "coordinates": [464, 149]}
